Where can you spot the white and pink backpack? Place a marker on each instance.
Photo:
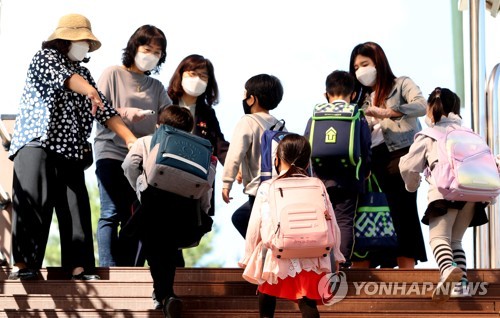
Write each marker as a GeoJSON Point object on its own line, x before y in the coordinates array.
{"type": "Point", "coordinates": [466, 168]}
{"type": "Point", "coordinates": [300, 218]}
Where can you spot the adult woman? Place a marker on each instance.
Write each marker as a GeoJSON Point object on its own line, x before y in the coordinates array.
{"type": "Point", "coordinates": [392, 105]}
{"type": "Point", "coordinates": [193, 85]}
{"type": "Point", "coordinates": [58, 106]}
{"type": "Point", "coordinates": [130, 90]}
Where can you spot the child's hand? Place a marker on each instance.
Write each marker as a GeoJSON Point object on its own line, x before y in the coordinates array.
{"type": "Point", "coordinates": [239, 178]}
{"type": "Point", "coordinates": [225, 195]}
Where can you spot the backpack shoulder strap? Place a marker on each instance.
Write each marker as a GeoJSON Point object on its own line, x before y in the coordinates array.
{"type": "Point", "coordinates": [276, 127]}
{"type": "Point", "coordinates": [430, 132]}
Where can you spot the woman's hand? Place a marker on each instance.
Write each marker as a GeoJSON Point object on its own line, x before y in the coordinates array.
{"type": "Point", "coordinates": [94, 97]}
{"type": "Point", "coordinates": [131, 114]}
{"type": "Point", "coordinates": [381, 113]}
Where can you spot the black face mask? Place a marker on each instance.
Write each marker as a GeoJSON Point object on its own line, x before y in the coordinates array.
{"type": "Point", "coordinates": [277, 165]}
{"type": "Point", "coordinates": [246, 108]}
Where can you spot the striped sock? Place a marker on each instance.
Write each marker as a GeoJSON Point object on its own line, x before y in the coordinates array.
{"type": "Point", "coordinates": [442, 253]}
{"type": "Point", "coordinates": [459, 259]}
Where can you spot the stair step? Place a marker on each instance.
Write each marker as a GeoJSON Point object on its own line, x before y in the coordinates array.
{"type": "Point", "coordinates": [125, 313]}
{"type": "Point", "coordinates": [222, 292]}
{"type": "Point", "coordinates": [144, 289]}
{"type": "Point", "coordinates": [133, 274]}
{"type": "Point", "coordinates": [213, 303]}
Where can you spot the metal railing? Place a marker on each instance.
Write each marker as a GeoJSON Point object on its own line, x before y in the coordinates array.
{"type": "Point", "coordinates": [492, 119]}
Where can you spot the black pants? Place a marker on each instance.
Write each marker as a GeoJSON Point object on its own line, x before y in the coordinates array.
{"type": "Point", "coordinates": [44, 181]}
{"type": "Point", "coordinates": [344, 202]}
{"type": "Point", "coordinates": [161, 224]}
{"type": "Point", "coordinates": [241, 216]}
{"type": "Point", "coordinates": [267, 305]}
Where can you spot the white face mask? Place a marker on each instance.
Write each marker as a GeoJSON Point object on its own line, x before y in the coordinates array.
{"type": "Point", "coordinates": [194, 86]}
{"type": "Point", "coordinates": [145, 61]}
{"type": "Point", "coordinates": [367, 75]}
{"type": "Point", "coordinates": [78, 50]}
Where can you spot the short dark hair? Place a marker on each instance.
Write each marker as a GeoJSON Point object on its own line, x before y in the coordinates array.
{"type": "Point", "coordinates": [339, 83]}
{"type": "Point", "coordinates": [57, 44]}
{"type": "Point", "coordinates": [266, 88]}
{"type": "Point", "coordinates": [144, 35]}
{"type": "Point", "coordinates": [177, 117]}
{"type": "Point", "coordinates": [62, 46]}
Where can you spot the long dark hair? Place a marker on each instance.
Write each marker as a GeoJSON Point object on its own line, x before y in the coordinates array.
{"type": "Point", "coordinates": [443, 101]}
{"type": "Point", "coordinates": [190, 63]}
{"type": "Point", "coordinates": [385, 76]}
{"type": "Point", "coordinates": [144, 35]}
{"type": "Point", "coordinates": [295, 150]}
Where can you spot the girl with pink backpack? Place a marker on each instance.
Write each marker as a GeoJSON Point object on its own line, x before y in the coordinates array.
{"type": "Point", "coordinates": [447, 220]}
{"type": "Point", "coordinates": [282, 273]}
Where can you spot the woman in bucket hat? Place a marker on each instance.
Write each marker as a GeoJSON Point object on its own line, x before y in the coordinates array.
{"type": "Point", "coordinates": [58, 106]}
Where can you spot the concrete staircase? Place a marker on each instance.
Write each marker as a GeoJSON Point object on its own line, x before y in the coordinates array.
{"type": "Point", "coordinates": [221, 292]}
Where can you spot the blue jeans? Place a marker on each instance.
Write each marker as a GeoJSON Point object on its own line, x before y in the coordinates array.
{"type": "Point", "coordinates": [117, 197]}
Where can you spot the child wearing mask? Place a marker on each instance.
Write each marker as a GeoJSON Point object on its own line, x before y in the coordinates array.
{"type": "Point", "coordinates": [294, 279]}
{"type": "Point", "coordinates": [263, 93]}
{"type": "Point", "coordinates": [447, 220]}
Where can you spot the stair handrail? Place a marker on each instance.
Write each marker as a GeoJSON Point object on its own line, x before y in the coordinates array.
{"type": "Point", "coordinates": [492, 137]}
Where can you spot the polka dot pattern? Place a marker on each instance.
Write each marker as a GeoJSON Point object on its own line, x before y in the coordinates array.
{"type": "Point", "coordinates": [60, 118]}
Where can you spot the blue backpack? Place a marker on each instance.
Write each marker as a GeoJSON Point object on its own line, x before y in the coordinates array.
{"type": "Point", "coordinates": [268, 145]}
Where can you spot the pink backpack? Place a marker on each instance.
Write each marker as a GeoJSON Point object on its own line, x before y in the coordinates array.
{"type": "Point", "coordinates": [466, 168]}
{"type": "Point", "coordinates": [300, 219]}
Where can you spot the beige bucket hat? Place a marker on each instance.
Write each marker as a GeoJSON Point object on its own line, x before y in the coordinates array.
{"type": "Point", "coordinates": [75, 27]}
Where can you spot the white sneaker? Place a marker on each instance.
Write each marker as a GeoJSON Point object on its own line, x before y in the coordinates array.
{"type": "Point", "coordinates": [461, 290]}
{"type": "Point", "coordinates": [444, 287]}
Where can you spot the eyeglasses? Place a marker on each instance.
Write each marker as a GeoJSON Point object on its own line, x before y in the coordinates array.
{"type": "Point", "coordinates": [201, 75]}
